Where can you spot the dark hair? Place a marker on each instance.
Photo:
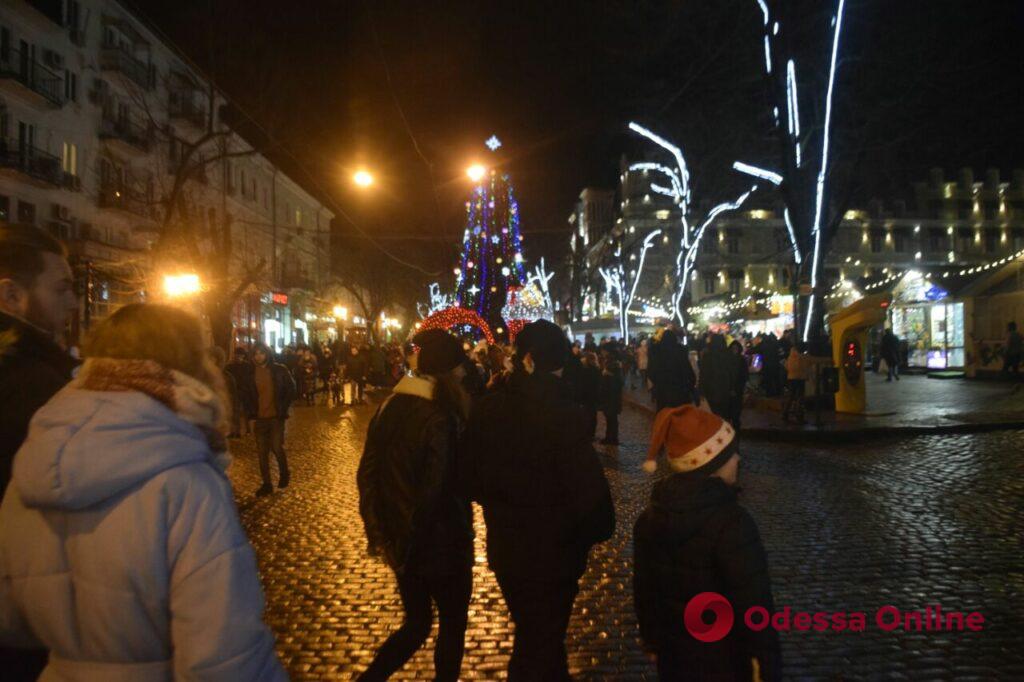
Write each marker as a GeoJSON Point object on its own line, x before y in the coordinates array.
{"type": "Point", "coordinates": [21, 252]}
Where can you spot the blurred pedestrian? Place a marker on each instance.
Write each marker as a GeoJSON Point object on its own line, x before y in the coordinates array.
{"type": "Point", "coordinates": [670, 372]}
{"type": "Point", "coordinates": [527, 459]}
{"type": "Point", "coordinates": [693, 538]}
{"type": "Point", "coordinates": [611, 398]}
{"type": "Point", "coordinates": [37, 297]}
{"type": "Point", "coordinates": [796, 380]}
{"type": "Point", "coordinates": [889, 350]}
{"type": "Point", "coordinates": [120, 545]}
{"type": "Point", "coordinates": [239, 368]}
{"type": "Point", "coordinates": [267, 396]}
{"type": "Point", "coordinates": [588, 391]}
{"type": "Point", "coordinates": [412, 511]}
{"type": "Point", "coordinates": [1014, 349]}
{"type": "Point", "coordinates": [355, 372]}
{"type": "Point", "coordinates": [740, 387]}
{"type": "Point", "coordinates": [718, 376]}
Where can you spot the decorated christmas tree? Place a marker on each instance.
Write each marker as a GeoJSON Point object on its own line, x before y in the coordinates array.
{"type": "Point", "coordinates": [492, 253]}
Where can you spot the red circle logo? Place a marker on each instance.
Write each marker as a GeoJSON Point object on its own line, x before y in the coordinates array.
{"type": "Point", "coordinates": [719, 606]}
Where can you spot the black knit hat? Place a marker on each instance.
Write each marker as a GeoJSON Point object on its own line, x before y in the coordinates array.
{"type": "Point", "coordinates": [546, 343]}
{"type": "Point", "coordinates": [440, 352]}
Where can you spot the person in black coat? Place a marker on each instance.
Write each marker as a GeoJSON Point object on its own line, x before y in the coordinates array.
{"type": "Point", "coordinates": [742, 376]}
{"type": "Point", "coordinates": [610, 392]}
{"type": "Point", "coordinates": [527, 458]}
{"type": "Point", "coordinates": [37, 298]}
{"type": "Point", "coordinates": [889, 350]}
{"type": "Point", "coordinates": [694, 537]}
{"type": "Point", "coordinates": [670, 372]}
{"type": "Point", "coordinates": [588, 390]}
{"type": "Point", "coordinates": [414, 515]}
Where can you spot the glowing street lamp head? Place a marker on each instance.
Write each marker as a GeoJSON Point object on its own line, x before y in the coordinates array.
{"type": "Point", "coordinates": [340, 312]}
{"type": "Point", "coordinates": [476, 172]}
{"type": "Point", "coordinates": [181, 285]}
{"type": "Point", "coordinates": [363, 178]}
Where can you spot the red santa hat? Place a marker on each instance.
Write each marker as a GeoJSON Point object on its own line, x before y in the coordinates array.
{"type": "Point", "coordinates": [695, 440]}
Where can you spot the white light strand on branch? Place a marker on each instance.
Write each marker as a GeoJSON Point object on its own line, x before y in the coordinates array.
{"type": "Point", "coordinates": [794, 108]}
{"type": "Point", "coordinates": [820, 191]}
{"type": "Point", "coordinates": [792, 235]}
{"type": "Point", "coordinates": [764, 174]}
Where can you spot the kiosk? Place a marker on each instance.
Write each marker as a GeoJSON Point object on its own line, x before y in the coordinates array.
{"type": "Point", "coordinates": [849, 343]}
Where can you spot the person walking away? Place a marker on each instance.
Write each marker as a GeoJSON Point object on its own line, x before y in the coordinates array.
{"type": "Point", "coordinates": [588, 391]}
{"type": "Point", "coordinates": [120, 545]}
{"type": "Point", "coordinates": [641, 361]}
{"type": "Point", "coordinates": [671, 373]}
{"type": "Point", "coordinates": [611, 399]}
{"type": "Point", "coordinates": [889, 350]}
{"type": "Point", "coordinates": [527, 459]}
{"type": "Point", "coordinates": [412, 511]}
{"type": "Point", "coordinates": [356, 370]}
{"type": "Point", "coordinates": [796, 379]}
{"type": "Point", "coordinates": [239, 368]}
{"type": "Point", "coordinates": [771, 371]}
{"type": "Point", "coordinates": [37, 298]}
{"type": "Point", "coordinates": [1014, 348]}
{"type": "Point", "coordinates": [718, 376]}
{"type": "Point", "coordinates": [739, 392]}
{"type": "Point", "coordinates": [694, 537]}
{"type": "Point", "coordinates": [268, 396]}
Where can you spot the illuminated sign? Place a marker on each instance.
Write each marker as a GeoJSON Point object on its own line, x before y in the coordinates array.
{"type": "Point", "coordinates": [935, 293]}
{"type": "Point", "coordinates": [279, 298]}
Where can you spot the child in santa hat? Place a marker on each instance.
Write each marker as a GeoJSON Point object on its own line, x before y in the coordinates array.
{"type": "Point", "coordinates": [694, 537]}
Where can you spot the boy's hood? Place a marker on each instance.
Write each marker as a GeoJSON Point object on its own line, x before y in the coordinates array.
{"type": "Point", "coordinates": [688, 501]}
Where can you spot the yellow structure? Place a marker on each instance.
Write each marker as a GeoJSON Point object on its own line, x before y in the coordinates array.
{"type": "Point", "coordinates": [849, 341]}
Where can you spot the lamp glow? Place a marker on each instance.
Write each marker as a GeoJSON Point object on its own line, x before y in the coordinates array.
{"type": "Point", "coordinates": [476, 172]}
{"type": "Point", "coordinates": [181, 285]}
{"type": "Point", "coordinates": [363, 178]}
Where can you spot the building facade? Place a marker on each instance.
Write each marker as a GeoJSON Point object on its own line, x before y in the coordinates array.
{"type": "Point", "coordinates": [102, 126]}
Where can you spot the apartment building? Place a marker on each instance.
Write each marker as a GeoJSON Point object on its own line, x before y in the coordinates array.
{"type": "Point", "coordinates": [97, 113]}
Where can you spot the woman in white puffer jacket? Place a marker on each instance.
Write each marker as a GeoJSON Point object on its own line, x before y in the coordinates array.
{"type": "Point", "coordinates": [120, 546]}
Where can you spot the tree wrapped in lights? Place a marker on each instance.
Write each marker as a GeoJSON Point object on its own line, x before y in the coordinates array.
{"type": "Point", "coordinates": [622, 286]}
{"type": "Point", "coordinates": [805, 170]}
{"type": "Point", "coordinates": [492, 252]}
{"type": "Point", "coordinates": [693, 227]}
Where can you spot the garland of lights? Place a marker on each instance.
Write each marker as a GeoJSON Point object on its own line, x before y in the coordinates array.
{"type": "Point", "coordinates": [455, 316]}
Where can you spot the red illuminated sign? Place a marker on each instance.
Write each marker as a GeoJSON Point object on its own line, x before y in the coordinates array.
{"type": "Point", "coordinates": [279, 299]}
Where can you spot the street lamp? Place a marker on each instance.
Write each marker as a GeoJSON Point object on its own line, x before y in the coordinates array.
{"type": "Point", "coordinates": [340, 312]}
{"type": "Point", "coordinates": [476, 172]}
{"type": "Point", "coordinates": [363, 178]}
{"type": "Point", "coordinates": [181, 285]}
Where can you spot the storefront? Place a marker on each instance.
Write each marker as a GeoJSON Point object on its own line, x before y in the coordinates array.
{"type": "Point", "coordinates": [930, 322]}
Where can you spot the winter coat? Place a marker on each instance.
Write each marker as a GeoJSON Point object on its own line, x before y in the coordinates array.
{"type": "Point", "coordinates": [671, 373]}
{"type": "Point", "coordinates": [610, 391]}
{"type": "Point", "coordinates": [589, 387]}
{"type": "Point", "coordinates": [889, 348]}
{"type": "Point", "coordinates": [718, 379]}
{"type": "Point", "coordinates": [526, 457]}
{"type": "Point", "coordinates": [121, 549]}
{"type": "Point", "coordinates": [357, 367]}
{"type": "Point", "coordinates": [32, 368]}
{"type": "Point", "coordinates": [284, 391]}
{"type": "Point", "coordinates": [695, 537]}
{"type": "Point", "coordinates": [408, 498]}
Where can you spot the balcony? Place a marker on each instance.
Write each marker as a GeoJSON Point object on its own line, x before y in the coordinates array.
{"type": "Point", "coordinates": [122, 197]}
{"type": "Point", "coordinates": [33, 164]}
{"type": "Point", "coordinates": [181, 106]}
{"type": "Point", "coordinates": [135, 70]}
{"type": "Point", "coordinates": [131, 136]}
{"type": "Point", "coordinates": [29, 80]}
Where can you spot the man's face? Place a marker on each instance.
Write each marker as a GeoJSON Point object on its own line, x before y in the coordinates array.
{"type": "Point", "coordinates": [49, 302]}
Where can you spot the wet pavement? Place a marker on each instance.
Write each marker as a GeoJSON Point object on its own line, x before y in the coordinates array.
{"type": "Point", "coordinates": [914, 522]}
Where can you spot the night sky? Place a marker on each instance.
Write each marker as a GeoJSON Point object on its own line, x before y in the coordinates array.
{"type": "Point", "coordinates": [922, 83]}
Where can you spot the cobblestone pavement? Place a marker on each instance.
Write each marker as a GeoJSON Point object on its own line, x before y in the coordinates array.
{"type": "Point", "coordinates": [928, 520]}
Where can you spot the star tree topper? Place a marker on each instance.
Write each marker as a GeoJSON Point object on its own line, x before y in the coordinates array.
{"type": "Point", "coordinates": [493, 143]}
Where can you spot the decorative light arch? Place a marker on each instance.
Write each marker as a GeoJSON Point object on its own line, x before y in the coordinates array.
{"type": "Point", "coordinates": [454, 317]}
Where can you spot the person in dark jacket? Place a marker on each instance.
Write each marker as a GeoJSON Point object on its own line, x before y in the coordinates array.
{"type": "Point", "coordinates": [694, 537]}
{"type": "Point", "coordinates": [670, 372]}
{"type": "Point", "coordinates": [527, 458]}
{"type": "Point", "coordinates": [356, 370]}
{"type": "Point", "coordinates": [889, 350]}
{"type": "Point", "coordinates": [610, 392]}
{"type": "Point", "coordinates": [739, 358]}
{"type": "Point", "coordinates": [414, 516]}
{"type": "Point", "coordinates": [718, 376]}
{"type": "Point", "coordinates": [239, 368]}
{"type": "Point", "coordinates": [771, 365]}
{"type": "Point", "coordinates": [588, 390]}
{"type": "Point", "coordinates": [37, 298]}
{"type": "Point", "coordinates": [267, 395]}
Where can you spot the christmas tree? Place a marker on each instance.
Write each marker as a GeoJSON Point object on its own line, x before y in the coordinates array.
{"type": "Point", "coordinates": [492, 252]}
